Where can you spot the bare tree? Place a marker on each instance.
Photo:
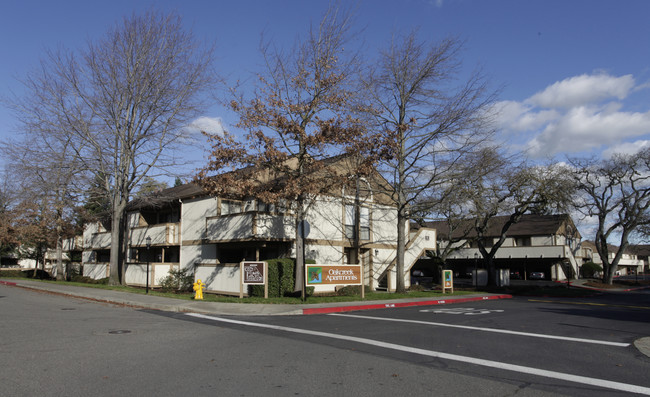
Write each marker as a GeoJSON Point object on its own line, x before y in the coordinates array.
{"type": "Point", "coordinates": [513, 190]}
{"type": "Point", "coordinates": [433, 120]}
{"type": "Point", "coordinates": [48, 167]}
{"type": "Point", "coordinates": [8, 241]}
{"type": "Point", "coordinates": [122, 101]}
{"type": "Point", "coordinates": [298, 116]}
{"type": "Point", "coordinates": [616, 192]}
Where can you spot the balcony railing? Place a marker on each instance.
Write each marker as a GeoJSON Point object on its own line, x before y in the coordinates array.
{"type": "Point", "coordinates": [164, 234]}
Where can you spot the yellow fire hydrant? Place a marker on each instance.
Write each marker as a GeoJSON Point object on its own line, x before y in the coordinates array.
{"type": "Point", "coordinates": [198, 287]}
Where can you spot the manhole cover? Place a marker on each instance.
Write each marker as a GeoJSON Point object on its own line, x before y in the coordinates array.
{"type": "Point", "coordinates": [120, 331]}
{"type": "Point", "coordinates": [68, 308]}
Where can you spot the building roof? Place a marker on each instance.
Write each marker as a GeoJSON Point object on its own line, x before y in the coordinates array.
{"type": "Point", "coordinates": [528, 225]}
{"type": "Point", "coordinates": [167, 196]}
{"type": "Point", "coordinates": [190, 190]}
{"type": "Point", "coordinates": [640, 249]}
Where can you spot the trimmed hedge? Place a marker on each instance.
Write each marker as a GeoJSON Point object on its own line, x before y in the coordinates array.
{"type": "Point", "coordinates": [590, 269]}
{"type": "Point", "coordinates": [281, 279]}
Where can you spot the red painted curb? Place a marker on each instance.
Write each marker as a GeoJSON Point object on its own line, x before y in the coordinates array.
{"type": "Point", "coordinates": [325, 310]}
{"type": "Point", "coordinates": [7, 283]}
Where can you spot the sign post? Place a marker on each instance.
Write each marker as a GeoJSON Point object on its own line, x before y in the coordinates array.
{"type": "Point", "coordinates": [254, 273]}
{"type": "Point", "coordinates": [447, 281]}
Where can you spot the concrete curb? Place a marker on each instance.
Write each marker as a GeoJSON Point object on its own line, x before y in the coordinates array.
{"type": "Point", "coordinates": [339, 309]}
{"type": "Point", "coordinates": [235, 309]}
{"type": "Point", "coordinates": [643, 345]}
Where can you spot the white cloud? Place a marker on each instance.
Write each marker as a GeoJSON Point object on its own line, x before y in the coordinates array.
{"type": "Point", "coordinates": [581, 90]}
{"type": "Point", "coordinates": [579, 114]}
{"type": "Point", "coordinates": [211, 125]}
{"type": "Point", "coordinates": [626, 148]}
{"type": "Point", "coordinates": [516, 116]}
{"type": "Point", "coordinates": [588, 128]}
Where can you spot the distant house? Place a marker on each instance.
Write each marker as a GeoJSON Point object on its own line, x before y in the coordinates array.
{"type": "Point", "coordinates": [630, 263]}
{"type": "Point", "coordinates": [642, 252]}
{"type": "Point", "coordinates": [538, 247]}
{"type": "Point", "coordinates": [209, 236]}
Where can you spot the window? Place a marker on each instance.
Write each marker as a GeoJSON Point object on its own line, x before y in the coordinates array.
{"type": "Point", "coordinates": [157, 217]}
{"type": "Point", "coordinates": [522, 242]}
{"type": "Point", "coordinates": [350, 221]}
{"type": "Point", "coordinates": [264, 207]}
{"type": "Point", "coordinates": [230, 207]}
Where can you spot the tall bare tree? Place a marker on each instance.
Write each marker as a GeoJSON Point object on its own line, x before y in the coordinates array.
{"type": "Point", "coordinates": [616, 193]}
{"type": "Point", "coordinates": [8, 241]}
{"type": "Point", "coordinates": [298, 115]}
{"type": "Point", "coordinates": [122, 100]}
{"type": "Point", "coordinates": [434, 117]}
{"type": "Point", "coordinates": [48, 167]}
{"type": "Point", "coordinates": [513, 190]}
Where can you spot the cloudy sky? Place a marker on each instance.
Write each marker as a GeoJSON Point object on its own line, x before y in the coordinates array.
{"type": "Point", "coordinates": [574, 76]}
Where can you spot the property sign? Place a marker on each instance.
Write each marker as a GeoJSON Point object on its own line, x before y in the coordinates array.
{"type": "Point", "coordinates": [333, 275]}
{"type": "Point", "coordinates": [447, 281]}
{"type": "Point", "coordinates": [253, 273]}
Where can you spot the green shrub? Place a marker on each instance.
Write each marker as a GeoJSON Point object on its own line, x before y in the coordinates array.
{"type": "Point", "coordinates": [88, 280]}
{"type": "Point", "coordinates": [590, 269]}
{"type": "Point", "coordinates": [15, 273]}
{"type": "Point", "coordinates": [40, 274]}
{"type": "Point", "coordinates": [351, 290]}
{"type": "Point", "coordinates": [177, 281]}
{"type": "Point", "coordinates": [83, 279]}
{"type": "Point", "coordinates": [280, 279]}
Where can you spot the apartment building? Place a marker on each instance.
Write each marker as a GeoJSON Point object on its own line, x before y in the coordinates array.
{"type": "Point", "coordinates": [186, 228]}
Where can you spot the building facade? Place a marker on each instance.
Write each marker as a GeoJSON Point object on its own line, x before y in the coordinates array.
{"type": "Point", "coordinates": [186, 228]}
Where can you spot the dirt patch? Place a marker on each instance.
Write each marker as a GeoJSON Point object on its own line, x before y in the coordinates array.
{"type": "Point", "coordinates": [618, 284]}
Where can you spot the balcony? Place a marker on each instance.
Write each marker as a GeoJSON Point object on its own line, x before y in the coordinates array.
{"type": "Point", "coordinates": [98, 241]}
{"type": "Point", "coordinates": [248, 225]}
{"type": "Point", "coordinates": [163, 234]}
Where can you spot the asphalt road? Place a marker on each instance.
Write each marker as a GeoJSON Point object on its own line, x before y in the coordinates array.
{"type": "Point", "coordinates": [53, 345]}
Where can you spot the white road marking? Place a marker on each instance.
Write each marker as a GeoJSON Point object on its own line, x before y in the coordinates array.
{"type": "Point", "coordinates": [467, 311]}
{"type": "Point", "coordinates": [446, 356]}
{"type": "Point", "coordinates": [499, 331]}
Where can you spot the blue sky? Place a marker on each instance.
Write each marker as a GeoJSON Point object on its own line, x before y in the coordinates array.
{"type": "Point", "coordinates": [575, 75]}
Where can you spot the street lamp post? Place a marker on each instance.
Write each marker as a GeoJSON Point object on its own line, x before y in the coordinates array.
{"type": "Point", "coordinates": [148, 240]}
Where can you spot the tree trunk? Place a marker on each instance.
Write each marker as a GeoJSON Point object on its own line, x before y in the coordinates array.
{"type": "Point", "coordinates": [115, 266]}
{"type": "Point", "coordinates": [60, 272]}
{"type": "Point", "coordinates": [401, 251]}
{"type": "Point", "coordinates": [356, 251]}
{"type": "Point", "coordinates": [300, 257]}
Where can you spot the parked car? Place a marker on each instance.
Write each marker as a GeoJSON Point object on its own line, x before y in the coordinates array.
{"type": "Point", "coordinates": [515, 276]}
{"type": "Point", "coordinates": [537, 275]}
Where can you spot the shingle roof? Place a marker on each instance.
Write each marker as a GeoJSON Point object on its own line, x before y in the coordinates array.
{"type": "Point", "coordinates": [193, 189]}
{"type": "Point", "coordinates": [640, 249]}
{"type": "Point", "coordinates": [168, 195]}
{"type": "Point", "coordinates": [528, 225]}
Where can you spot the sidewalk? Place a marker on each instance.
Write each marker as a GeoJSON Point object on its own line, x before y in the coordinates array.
{"type": "Point", "coordinates": [142, 301]}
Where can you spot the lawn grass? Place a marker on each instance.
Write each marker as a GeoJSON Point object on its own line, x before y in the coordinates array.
{"type": "Point", "coordinates": [208, 297]}
{"type": "Point", "coordinates": [528, 290]}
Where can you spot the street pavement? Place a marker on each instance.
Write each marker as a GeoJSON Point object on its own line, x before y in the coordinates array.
{"type": "Point", "coordinates": [145, 301]}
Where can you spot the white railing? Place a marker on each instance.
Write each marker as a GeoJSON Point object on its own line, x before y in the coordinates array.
{"type": "Point", "coordinates": [423, 240]}
{"type": "Point", "coordinates": [168, 233]}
